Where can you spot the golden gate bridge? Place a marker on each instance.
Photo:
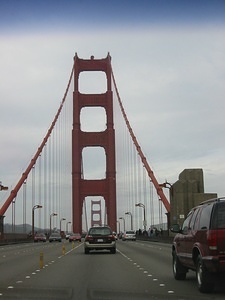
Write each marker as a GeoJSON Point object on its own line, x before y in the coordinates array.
{"type": "Point", "coordinates": [54, 188]}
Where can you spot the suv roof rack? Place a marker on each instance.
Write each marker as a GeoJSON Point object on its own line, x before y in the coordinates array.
{"type": "Point", "coordinates": [213, 200]}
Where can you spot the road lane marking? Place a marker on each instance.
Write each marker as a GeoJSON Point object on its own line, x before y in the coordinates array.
{"type": "Point", "coordinates": [145, 272]}
{"type": "Point", "coordinates": [38, 270]}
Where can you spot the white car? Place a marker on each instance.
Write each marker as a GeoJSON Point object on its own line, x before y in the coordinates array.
{"type": "Point", "coordinates": [129, 235]}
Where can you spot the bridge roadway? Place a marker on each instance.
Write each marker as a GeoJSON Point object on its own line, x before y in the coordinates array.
{"type": "Point", "coordinates": [139, 270]}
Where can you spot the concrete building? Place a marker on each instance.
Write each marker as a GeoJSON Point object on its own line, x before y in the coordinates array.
{"type": "Point", "coordinates": [187, 192]}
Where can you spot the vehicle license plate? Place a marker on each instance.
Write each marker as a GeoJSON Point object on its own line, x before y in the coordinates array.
{"type": "Point", "coordinates": [100, 240]}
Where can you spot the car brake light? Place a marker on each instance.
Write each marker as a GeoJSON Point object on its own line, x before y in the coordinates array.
{"type": "Point", "coordinates": [88, 238]}
{"type": "Point", "coordinates": [212, 240]}
{"type": "Point", "coordinates": [112, 237]}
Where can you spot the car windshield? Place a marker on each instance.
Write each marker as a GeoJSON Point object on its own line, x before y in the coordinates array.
{"type": "Point", "coordinates": [55, 234]}
{"type": "Point", "coordinates": [100, 231]}
{"type": "Point", "coordinates": [130, 232]}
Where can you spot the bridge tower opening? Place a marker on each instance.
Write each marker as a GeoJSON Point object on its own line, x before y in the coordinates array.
{"type": "Point", "coordinates": [96, 213]}
{"type": "Point", "coordinates": [82, 187]}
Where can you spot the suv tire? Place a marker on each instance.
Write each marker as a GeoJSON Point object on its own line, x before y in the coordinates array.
{"type": "Point", "coordinates": [179, 271]}
{"type": "Point", "coordinates": [204, 278]}
{"type": "Point", "coordinates": [86, 251]}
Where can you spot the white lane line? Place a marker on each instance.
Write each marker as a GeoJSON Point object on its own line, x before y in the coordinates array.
{"type": "Point", "coordinates": [145, 272]}
{"type": "Point", "coordinates": [38, 270]}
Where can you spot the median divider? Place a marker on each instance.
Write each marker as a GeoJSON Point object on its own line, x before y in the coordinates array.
{"type": "Point", "coordinates": [63, 249]}
{"type": "Point", "coordinates": [41, 260]}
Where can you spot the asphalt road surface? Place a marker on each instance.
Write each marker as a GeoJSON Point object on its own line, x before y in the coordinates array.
{"type": "Point", "coordinates": [138, 270]}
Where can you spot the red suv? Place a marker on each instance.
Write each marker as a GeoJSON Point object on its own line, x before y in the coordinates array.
{"type": "Point", "coordinates": [200, 244]}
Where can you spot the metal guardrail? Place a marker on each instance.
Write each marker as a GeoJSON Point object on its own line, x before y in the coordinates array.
{"type": "Point", "coordinates": [159, 238]}
{"type": "Point", "coordinates": [13, 238]}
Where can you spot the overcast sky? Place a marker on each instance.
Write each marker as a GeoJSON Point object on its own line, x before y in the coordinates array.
{"type": "Point", "coordinates": [168, 59]}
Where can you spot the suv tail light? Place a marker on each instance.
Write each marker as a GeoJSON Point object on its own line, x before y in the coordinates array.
{"type": "Point", "coordinates": [212, 239]}
{"type": "Point", "coordinates": [112, 237]}
{"type": "Point", "coordinates": [89, 238]}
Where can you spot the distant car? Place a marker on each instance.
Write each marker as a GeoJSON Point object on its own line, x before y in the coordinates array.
{"type": "Point", "coordinates": [75, 237]}
{"type": "Point", "coordinates": [40, 237]}
{"type": "Point", "coordinates": [84, 233]}
{"type": "Point", "coordinates": [199, 244]}
{"type": "Point", "coordinates": [129, 235]}
{"type": "Point", "coordinates": [100, 238]}
{"type": "Point", "coordinates": [120, 235]}
{"type": "Point", "coordinates": [115, 234]}
{"type": "Point", "coordinates": [55, 237]}
{"type": "Point", "coordinates": [68, 235]}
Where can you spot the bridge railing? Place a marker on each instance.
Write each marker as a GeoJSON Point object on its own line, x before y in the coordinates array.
{"type": "Point", "coordinates": [13, 238]}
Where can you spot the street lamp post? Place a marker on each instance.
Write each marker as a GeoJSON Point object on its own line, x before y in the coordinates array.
{"type": "Point", "coordinates": [67, 226]}
{"type": "Point", "coordinates": [33, 209]}
{"type": "Point", "coordinates": [142, 205]}
{"type": "Point", "coordinates": [169, 186]}
{"type": "Point", "coordinates": [131, 219]}
{"type": "Point", "coordinates": [52, 215]}
{"type": "Point", "coordinates": [60, 227]}
{"type": "Point", "coordinates": [121, 218]}
{"type": "Point", "coordinates": [118, 225]}
{"type": "Point", "coordinates": [2, 187]}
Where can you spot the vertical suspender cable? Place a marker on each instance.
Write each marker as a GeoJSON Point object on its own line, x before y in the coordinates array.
{"type": "Point", "coordinates": [39, 191]}
{"type": "Point", "coordinates": [151, 203]}
{"type": "Point", "coordinates": [33, 186]}
{"type": "Point", "coordinates": [32, 163]}
{"type": "Point", "coordinates": [45, 188]}
{"type": "Point", "coordinates": [143, 158]}
{"type": "Point", "coordinates": [24, 207]}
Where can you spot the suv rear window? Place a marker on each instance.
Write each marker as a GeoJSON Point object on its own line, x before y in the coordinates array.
{"type": "Point", "coordinates": [218, 220]}
{"type": "Point", "coordinates": [100, 231]}
{"type": "Point", "coordinates": [205, 217]}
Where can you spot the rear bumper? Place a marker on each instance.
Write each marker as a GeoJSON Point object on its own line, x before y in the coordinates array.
{"type": "Point", "coordinates": [99, 246]}
{"type": "Point", "coordinates": [215, 263]}
{"type": "Point", "coordinates": [129, 238]}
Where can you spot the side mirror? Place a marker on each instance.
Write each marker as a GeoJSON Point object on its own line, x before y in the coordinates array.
{"type": "Point", "coordinates": [175, 228]}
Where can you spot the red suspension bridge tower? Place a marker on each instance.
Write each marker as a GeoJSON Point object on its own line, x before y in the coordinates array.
{"type": "Point", "coordinates": [105, 187]}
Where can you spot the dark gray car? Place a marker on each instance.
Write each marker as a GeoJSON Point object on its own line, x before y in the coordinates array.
{"type": "Point", "coordinates": [55, 237]}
